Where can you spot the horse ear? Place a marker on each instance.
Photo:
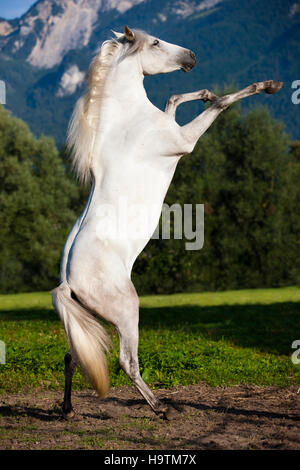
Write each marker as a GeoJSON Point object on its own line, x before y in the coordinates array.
{"type": "Point", "coordinates": [118, 35]}
{"type": "Point", "coordinates": [129, 35]}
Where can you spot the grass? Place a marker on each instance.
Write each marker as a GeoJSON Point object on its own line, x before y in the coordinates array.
{"type": "Point", "coordinates": [222, 338]}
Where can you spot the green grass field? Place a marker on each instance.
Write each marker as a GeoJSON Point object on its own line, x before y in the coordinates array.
{"type": "Point", "coordinates": [224, 338]}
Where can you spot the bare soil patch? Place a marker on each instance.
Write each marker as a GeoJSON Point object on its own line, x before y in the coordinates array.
{"type": "Point", "coordinates": [240, 417]}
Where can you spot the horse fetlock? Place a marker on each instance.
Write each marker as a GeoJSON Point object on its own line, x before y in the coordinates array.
{"type": "Point", "coordinates": [173, 101]}
{"type": "Point", "coordinates": [256, 88]}
{"type": "Point", "coordinates": [207, 95]}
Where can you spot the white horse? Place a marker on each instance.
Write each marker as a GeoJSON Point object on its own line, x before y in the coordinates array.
{"type": "Point", "coordinates": [129, 149]}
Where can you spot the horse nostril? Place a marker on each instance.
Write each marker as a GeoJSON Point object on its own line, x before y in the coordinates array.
{"type": "Point", "coordinates": [188, 61]}
{"type": "Point", "coordinates": [193, 55]}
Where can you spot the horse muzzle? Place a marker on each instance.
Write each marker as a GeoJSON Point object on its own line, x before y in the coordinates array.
{"type": "Point", "coordinates": [188, 62]}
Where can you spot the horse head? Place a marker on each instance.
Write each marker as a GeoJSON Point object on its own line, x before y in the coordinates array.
{"type": "Point", "coordinates": [155, 55]}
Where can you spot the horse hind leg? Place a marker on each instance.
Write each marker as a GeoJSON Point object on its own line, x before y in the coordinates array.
{"type": "Point", "coordinates": [128, 359]}
{"type": "Point", "coordinates": [127, 328]}
{"type": "Point", "coordinates": [70, 366]}
{"type": "Point", "coordinates": [120, 307]}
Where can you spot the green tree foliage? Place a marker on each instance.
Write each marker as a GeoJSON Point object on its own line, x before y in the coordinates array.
{"type": "Point", "coordinates": [35, 200]}
{"type": "Point", "coordinates": [243, 171]}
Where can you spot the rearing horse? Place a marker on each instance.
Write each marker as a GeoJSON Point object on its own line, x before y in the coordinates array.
{"type": "Point", "coordinates": [129, 149]}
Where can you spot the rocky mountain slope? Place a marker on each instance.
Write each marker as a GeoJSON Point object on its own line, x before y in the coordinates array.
{"type": "Point", "coordinates": [44, 54]}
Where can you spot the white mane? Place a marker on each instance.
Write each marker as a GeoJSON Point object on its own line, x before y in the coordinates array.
{"type": "Point", "coordinates": [86, 115]}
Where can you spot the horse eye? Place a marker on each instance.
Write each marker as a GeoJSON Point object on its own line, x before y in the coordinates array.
{"type": "Point", "coordinates": [156, 42]}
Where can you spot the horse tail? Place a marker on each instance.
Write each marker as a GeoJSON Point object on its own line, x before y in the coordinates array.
{"type": "Point", "coordinates": [87, 338]}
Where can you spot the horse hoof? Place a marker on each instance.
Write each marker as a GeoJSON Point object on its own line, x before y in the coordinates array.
{"type": "Point", "coordinates": [273, 87]}
{"type": "Point", "coordinates": [169, 413]}
{"type": "Point", "coordinates": [68, 415]}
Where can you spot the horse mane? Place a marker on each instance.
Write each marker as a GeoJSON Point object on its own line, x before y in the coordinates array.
{"type": "Point", "coordinates": [85, 118]}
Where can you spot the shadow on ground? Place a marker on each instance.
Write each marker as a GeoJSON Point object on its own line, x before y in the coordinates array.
{"type": "Point", "coordinates": [268, 328]}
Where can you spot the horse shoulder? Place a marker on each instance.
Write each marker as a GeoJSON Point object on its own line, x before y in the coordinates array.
{"type": "Point", "coordinates": [166, 134]}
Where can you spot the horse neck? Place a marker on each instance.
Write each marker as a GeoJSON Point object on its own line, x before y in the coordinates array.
{"type": "Point", "coordinates": [125, 84]}
{"type": "Point", "coordinates": [124, 96]}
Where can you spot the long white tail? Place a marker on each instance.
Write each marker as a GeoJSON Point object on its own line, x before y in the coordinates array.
{"type": "Point", "coordinates": [87, 338]}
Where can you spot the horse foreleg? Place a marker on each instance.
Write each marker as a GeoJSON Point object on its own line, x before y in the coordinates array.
{"type": "Point", "coordinates": [128, 359]}
{"type": "Point", "coordinates": [176, 100]}
{"type": "Point", "coordinates": [70, 367]}
{"type": "Point", "coordinates": [192, 131]}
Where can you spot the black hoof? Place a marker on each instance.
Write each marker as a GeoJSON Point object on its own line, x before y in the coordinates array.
{"type": "Point", "coordinates": [68, 415]}
{"type": "Point", "coordinates": [273, 87]}
{"type": "Point", "coordinates": [169, 413]}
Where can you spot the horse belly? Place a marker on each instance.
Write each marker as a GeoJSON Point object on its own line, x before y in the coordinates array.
{"type": "Point", "coordinates": [123, 214]}
{"type": "Point", "coordinates": [111, 238]}
{"type": "Point", "coordinates": [126, 228]}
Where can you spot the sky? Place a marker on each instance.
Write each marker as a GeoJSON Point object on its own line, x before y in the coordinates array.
{"type": "Point", "coordinates": [14, 8]}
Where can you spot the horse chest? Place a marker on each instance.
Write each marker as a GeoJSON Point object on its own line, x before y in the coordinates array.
{"type": "Point", "coordinates": [147, 133]}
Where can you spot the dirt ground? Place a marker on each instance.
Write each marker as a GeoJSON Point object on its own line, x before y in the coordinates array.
{"type": "Point", "coordinates": [240, 417]}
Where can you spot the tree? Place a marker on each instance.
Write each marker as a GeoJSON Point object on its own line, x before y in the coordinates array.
{"type": "Point", "coordinates": [35, 199]}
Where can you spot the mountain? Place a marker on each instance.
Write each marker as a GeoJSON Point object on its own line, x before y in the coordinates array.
{"type": "Point", "coordinates": [45, 54]}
